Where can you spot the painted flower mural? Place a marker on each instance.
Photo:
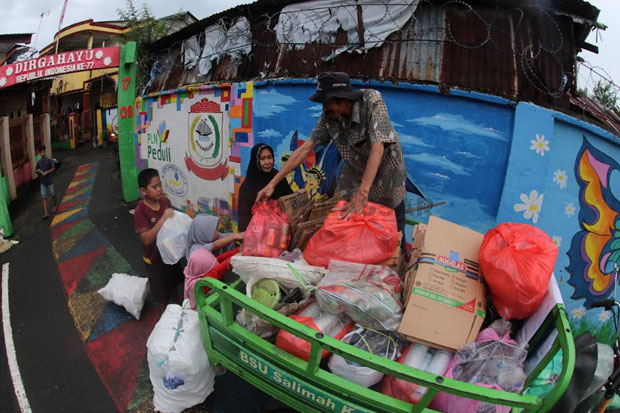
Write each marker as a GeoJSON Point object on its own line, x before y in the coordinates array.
{"type": "Point", "coordinates": [560, 178]}
{"type": "Point", "coordinates": [578, 312]}
{"type": "Point", "coordinates": [603, 316]}
{"type": "Point", "coordinates": [531, 205]}
{"type": "Point", "coordinates": [540, 145]}
{"type": "Point", "coordinates": [557, 240]}
{"type": "Point", "coordinates": [569, 209]}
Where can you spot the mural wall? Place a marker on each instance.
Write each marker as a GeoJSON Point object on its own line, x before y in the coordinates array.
{"type": "Point", "coordinates": [563, 176]}
{"type": "Point", "coordinates": [193, 137]}
{"type": "Point", "coordinates": [478, 160]}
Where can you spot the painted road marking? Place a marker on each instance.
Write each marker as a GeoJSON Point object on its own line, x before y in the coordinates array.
{"type": "Point", "coordinates": [18, 385]}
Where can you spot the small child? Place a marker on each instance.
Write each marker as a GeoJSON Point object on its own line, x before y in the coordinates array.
{"type": "Point", "coordinates": [203, 237]}
{"type": "Point", "coordinates": [45, 168]}
{"type": "Point", "coordinates": [203, 233]}
{"type": "Point", "coordinates": [200, 262]}
{"type": "Point", "coordinates": [149, 216]}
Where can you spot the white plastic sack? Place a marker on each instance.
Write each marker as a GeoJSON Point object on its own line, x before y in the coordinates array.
{"type": "Point", "coordinates": [385, 346]}
{"type": "Point", "coordinates": [254, 269]}
{"type": "Point", "coordinates": [127, 291]}
{"type": "Point", "coordinates": [178, 365]}
{"type": "Point", "coordinates": [172, 237]}
{"type": "Point", "coordinates": [533, 323]}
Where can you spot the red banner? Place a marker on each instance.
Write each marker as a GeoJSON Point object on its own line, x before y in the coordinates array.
{"type": "Point", "coordinates": [58, 64]}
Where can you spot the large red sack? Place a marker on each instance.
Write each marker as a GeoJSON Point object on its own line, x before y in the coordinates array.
{"type": "Point", "coordinates": [367, 238]}
{"type": "Point", "coordinates": [517, 261]}
{"type": "Point", "coordinates": [267, 234]}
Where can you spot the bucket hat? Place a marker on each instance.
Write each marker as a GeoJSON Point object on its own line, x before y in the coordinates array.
{"type": "Point", "coordinates": [334, 84]}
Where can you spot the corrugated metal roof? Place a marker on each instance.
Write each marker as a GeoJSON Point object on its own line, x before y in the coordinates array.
{"type": "Point", "coordinates": [510, 48]}
{"type": "Point", "coordinates": [591, 109]}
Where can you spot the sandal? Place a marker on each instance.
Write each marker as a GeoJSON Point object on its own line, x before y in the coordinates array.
{"type": "Point", "coordinates": [46, 216]}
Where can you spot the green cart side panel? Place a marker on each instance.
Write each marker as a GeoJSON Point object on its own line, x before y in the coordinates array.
{"type": "Point", "coordinates": [306, 387]}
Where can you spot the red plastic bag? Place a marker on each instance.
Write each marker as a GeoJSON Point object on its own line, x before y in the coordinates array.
{"type": "Point", "coordinates": [267, 234]}
{"type": "Point", "coordinates": [517, 260]}
{"type": "Point", "coordinates": [368, 238]}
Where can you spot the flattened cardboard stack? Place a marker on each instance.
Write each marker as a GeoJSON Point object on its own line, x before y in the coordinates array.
{"type": "Point", "coordinates": [445, 296]}
{"type": "Point", "coordinates": [306, 216]}
{"type": "Point", "coordinates": [395, 261]}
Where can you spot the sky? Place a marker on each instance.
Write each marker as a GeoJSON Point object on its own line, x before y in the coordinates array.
{"type": "Point", "coordinates": [21, 16]}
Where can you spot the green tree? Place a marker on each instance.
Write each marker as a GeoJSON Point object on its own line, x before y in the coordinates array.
{"type": "Point", "coordinates": [144, 30]}
{"type": "Point", "coordinates": [605, 93]}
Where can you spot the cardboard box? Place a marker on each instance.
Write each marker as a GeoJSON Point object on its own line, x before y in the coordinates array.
{"type": "Point", "coordinates": [445, 296]}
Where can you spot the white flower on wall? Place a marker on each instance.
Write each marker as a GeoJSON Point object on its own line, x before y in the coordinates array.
{"type": "Point", "coordinates": [9, 71]}
{"type": "Point", "coordinates": [531, 205]}
{"type": "Point", "coordinates": [107, 61]}
{"type": "Point", "coordinates": [560, 178]}
{"type": "Point", "coordinates": [540, 145]}
{"type": "Point", "coordinates": [557, 240]}
{"type": "Point", "coordinates": [2, 81]}
{"type": "Point", "coordinates": [578, 312]}
{"type": "Point", "coordinates": [569, 209]}
{"type": "Point", "coordinates": [99, 54]}
{"type": "Point", "coordinates": [603, 316]}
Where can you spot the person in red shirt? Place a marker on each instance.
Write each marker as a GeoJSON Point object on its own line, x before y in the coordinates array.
{"type": "Point", "coordinates": [149, 216]}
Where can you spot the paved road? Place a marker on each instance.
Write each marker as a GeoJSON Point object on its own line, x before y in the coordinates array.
{"type": "Point", "coordinates": [68, 362]}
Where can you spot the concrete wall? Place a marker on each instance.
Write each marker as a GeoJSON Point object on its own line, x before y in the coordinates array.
{"type": "Point", "coordinates": [484, 160]}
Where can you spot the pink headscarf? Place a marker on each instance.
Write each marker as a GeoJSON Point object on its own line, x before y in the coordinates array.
{"type": "Point", "coordinates": [200, 262]}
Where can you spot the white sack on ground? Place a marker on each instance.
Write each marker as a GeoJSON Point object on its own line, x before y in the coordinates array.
{"type": "Point", "coordinates": [127, 291]}
{"type": "Point", "coordinates": [178, 365]}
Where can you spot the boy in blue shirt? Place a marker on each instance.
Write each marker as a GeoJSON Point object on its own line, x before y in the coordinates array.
{"type": "Point", "coordinates": [45, 168]}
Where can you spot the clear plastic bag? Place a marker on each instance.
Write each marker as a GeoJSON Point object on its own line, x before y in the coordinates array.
{"type": "Point", "coordinates": [312, 316]}
{"type": "Point", "coordinates": [382, 344]}
{"type": "Point", "coordinates": [172, 238]}
{"type": "Point", "coordinates": [421, 357]}
{"type": "Point", "coordinates": [494, 360]}
{"type": "Point", "coordinates": [369, 294]}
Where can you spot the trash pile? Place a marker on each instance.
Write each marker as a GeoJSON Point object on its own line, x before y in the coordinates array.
{"type": "Point", "coordinates": [455, 309]}
{"type": "Point", "coordinates": [463, 306]}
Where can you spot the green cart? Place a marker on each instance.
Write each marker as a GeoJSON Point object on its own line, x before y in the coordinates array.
{"type": "Point", "coordinates": [307, 387]}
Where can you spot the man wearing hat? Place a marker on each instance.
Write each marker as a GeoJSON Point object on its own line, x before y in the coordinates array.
{"type": "Point", "coordinates": [357, 123]}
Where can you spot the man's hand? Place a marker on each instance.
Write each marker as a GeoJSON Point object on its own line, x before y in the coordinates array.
{"type": "Point", "coordinates": [355, 206]}
{"type": "Point", "coordinates": [265, 193]}
{"type": "Point", "coordinates": [239, 236]}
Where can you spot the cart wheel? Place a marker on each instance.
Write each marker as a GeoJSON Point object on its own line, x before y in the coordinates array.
{"type": "Point", "coordinates": [219, 370]}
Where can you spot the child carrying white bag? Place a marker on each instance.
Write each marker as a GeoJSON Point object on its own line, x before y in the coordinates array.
{"type": "Point", "coordinates": [178, 365]}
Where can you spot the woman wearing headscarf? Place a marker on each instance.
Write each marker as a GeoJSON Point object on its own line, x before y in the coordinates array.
{"type": "Point", "coordinates": [260, 171]}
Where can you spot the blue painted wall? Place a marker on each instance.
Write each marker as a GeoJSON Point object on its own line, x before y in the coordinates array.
{"type": "Point", "coordinates": [450, 143]}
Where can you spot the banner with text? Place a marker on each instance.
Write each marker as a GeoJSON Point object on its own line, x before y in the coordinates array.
{"type": "Point", "coordinates": [52, 65]}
